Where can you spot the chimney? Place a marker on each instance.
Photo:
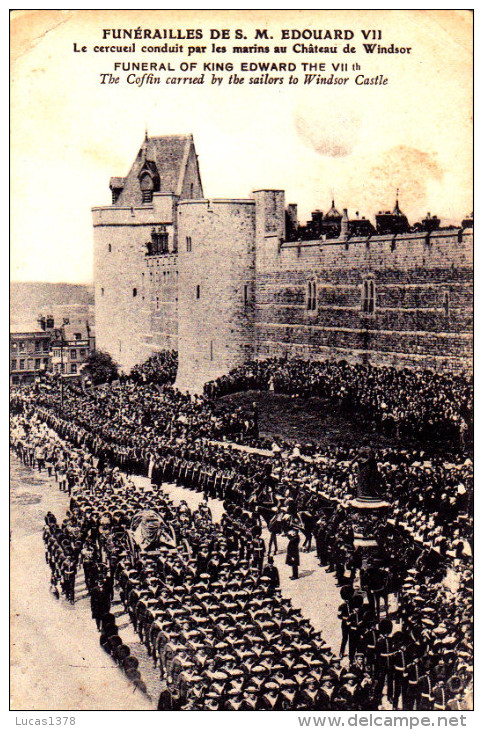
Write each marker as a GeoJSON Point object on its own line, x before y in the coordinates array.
{"type": "Point", "coordinates": [344, 226]}
{"type": "Point", "coordinates": [292, 213]}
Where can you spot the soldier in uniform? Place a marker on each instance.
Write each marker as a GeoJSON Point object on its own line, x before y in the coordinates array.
{"type": "Point", "coordinates": [293, 555]}
{"type": "Point", "coordinates": [344, 610]}
{"type": "Point", "coordinates": [270, 571]}
{"type": "Point", "coordinates": [355, 623]}
{"type": "Point", "coordinates": [384, 664]}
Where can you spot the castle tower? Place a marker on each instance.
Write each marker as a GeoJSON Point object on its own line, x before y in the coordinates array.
{"type": "Point", "coordinates": [136, 313]}
{"type": "Point", "coordinates": [270, 225]}
{"type": "Point", "coordinates": [216, 259]}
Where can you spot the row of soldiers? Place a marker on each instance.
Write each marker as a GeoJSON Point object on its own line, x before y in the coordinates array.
{"type": "Point", "coordinates": [102, 502]}
{"type": "Point", "coordinates": [62, 557]}
{"type": "Point", "coordinates": [224, 639]}
{"type": "Point", "coordinates": [418, 672]}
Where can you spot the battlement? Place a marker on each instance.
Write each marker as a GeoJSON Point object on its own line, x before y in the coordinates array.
{"type": "Point", "coordinates": [162, 209]}
{"type": "Point", "coordinates": [436, 249]}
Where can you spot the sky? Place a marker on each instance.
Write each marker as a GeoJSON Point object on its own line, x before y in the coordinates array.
{"type": "Point", "coordinates": [358, 144]}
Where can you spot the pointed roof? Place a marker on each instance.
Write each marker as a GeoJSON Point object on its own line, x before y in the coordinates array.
{"type": "Point", "coordinates": [397, 210]}
{"type": "Point", "coordinates": [333, 212]}
{"type": "Point", "coordinates": [168, 156]}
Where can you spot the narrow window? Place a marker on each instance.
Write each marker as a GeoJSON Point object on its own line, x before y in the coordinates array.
{"type": "Point", "coordinates": [73, 354]}
{"type": "Point", "coordinates": [73, 368]}
{"type": "Point", "coordinates": [109, 248]}
{"type": "Point", "coordinates": [371, 297]}
{"type": "Point", "coordinates": [368, 304]}
{"type": "Point", "coordinates": [157, 302]}
{"type": "Point", "coordinates": [246, 294]}
{"type": "Point", "coordinates": [365, 296]}
{"type": "Point", "coordinates": [311, 296]}
{"type": "Point", "coordinates": [198, 291]}
{"type": "Point", "coordinates": [102, 291]}
{"type": "Point", "coordinates": [191, 190]}
{"type": "Point", "coordinates": [188, 243]}
{"type": "Point", "coordinates": [446, 303]}
{"type": "Point", "coordinates": [14, 364]}
{"type": "Point", "coordinates": [37, 364]}
{"type": "Point", "coordinates": [134, 292]}
{"type": "Point", "coordinates": [211, 350]}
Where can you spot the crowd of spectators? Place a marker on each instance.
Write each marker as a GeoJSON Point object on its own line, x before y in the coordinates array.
{"type": "Point", "coordinates": [406, 402]}
{"type": "Point", "coordinates": [160, 368]}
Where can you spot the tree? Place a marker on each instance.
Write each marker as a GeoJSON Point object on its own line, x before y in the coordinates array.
{"type": "Point", "coordinates": [101, 367]}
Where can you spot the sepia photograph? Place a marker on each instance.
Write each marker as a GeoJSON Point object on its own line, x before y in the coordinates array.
{"type": "Point", "coordinates": [241, 362]}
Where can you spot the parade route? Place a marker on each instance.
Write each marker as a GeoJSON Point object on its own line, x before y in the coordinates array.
{"type": "Point", "coordinates": [315, 592]}
{"type": "Point", "coordinates": [56, 660]}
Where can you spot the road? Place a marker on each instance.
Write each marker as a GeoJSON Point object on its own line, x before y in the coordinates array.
{"type": "Point", "coordinates": [56, 660]}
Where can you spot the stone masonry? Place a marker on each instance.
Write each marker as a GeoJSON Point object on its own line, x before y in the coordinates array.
{"type": "Point", "coordinates": [217, 280]}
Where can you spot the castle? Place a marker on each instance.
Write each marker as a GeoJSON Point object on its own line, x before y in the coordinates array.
{"type": "Point", "coordinates": [226, 281]}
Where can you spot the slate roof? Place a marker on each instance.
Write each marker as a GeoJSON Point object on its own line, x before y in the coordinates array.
{"type": "Point", "coordinates": [27, 328]}
{"type": "Point", "coordinates": [71, 329]}
{"type": "Point", "coordinates": [169, 154]}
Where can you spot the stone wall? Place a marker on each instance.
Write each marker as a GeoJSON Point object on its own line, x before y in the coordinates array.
{"type": "Point", "coordinates": [230, 288]}
{"type": "Point", "coordinates": [162, 280]}
{"type": "Point", "coordinates": [423, 300]}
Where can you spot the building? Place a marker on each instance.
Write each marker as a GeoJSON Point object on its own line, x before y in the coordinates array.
{"type": "Point", "coordinates": [43, 348]}
{"type": "Point", "coordinates": [226, 281]}
{"type": "Point", "coordinates": [71, 346]}
{"type": "Point", "coordinates": [29, 354]}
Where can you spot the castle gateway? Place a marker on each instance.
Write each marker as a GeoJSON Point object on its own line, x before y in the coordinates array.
{"type": "Point", "coordinates": [226, 281]}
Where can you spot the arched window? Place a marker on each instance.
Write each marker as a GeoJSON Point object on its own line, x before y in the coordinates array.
{"type": "Point", "coordinates": [147, 186]}
{"type": "Point", "coordinates": [311, 296]}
